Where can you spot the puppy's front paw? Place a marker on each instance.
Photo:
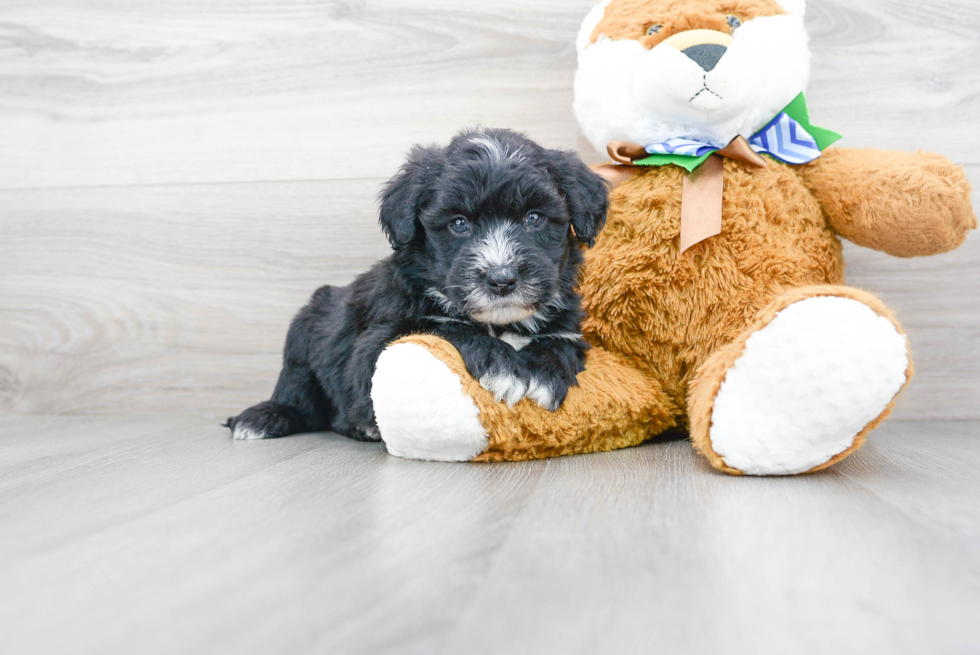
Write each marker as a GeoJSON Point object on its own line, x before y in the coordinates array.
{"type": "Point", "coordinates": [499, 370]}
{"type": "Point", "coordinates": [506, 387]}
{"type": "Point", "coordinates": [548, 391]}
{"type": "Point", "coordinates": [363, 433]}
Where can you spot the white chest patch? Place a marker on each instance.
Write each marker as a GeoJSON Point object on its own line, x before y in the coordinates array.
{"type": "Point", "coordinates": [516, 341]}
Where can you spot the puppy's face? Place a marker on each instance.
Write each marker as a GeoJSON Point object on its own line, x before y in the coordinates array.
{"type": "Point", "coordinates": [497, 230]}
{"type": "Point", "coordinates": [489, 220]}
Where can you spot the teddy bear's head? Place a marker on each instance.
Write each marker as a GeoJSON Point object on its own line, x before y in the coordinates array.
{"type": "Point", "coordinates": [707, 70]}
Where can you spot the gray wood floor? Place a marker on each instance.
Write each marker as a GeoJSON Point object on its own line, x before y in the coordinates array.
{"type": "Point", "coordinates": [159, 535]}
{"type": "Point", "coordinates": [177, 177]}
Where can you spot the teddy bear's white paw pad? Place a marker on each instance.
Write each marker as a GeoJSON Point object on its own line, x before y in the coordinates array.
{"type": "Point", "coordinates": [806, 385]}
{"type": "Point", "coordinates": [421, 409]}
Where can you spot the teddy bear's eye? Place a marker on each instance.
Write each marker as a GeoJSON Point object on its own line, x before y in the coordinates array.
{"type": "Point", "coordinates": [654, 29]}
{"type": "Point", "coordinates": [734, 22]}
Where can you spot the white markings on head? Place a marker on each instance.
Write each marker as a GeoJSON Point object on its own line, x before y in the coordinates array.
{"type": "Point", "coordinates": [496, 150]}
{"type": "Point", "coordinates": [497, 248]}
{"type": "Point", "coordinates": [504, 387]}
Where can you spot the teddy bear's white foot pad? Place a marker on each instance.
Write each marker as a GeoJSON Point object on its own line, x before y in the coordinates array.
{"type": "Point", "coordinates": [806, 385]}
{"type": "Point", "coordinates": [421, 408]}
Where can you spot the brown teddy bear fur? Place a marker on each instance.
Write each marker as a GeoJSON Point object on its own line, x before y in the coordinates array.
{"type": "Point", "coordinates": [667, 326]}
{"type": "Point", "coordinates": [925, 209]}
{"type": "Point", "coordinates": [615, 405]}
{"type": "Point", "coordinates": [667, 313]}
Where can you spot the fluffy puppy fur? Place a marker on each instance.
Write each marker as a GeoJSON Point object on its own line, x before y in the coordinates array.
{"type": "Point", "coordinates": [486, 257]}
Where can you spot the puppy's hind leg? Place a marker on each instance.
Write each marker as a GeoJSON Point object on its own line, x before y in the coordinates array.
{"type": "Point", "coordinates": [297, 405]}
{"type": "Point", "coordinates": [265, 421]}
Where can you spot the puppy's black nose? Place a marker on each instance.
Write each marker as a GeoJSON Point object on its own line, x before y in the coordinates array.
{"type": "Point", "coordinates": [706, 55]}
{"type": "Point", "coordinates": [502, 280]}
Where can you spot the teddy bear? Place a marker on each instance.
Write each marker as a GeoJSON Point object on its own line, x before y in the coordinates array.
{"type": "Point", "coordinates": [715, 295]}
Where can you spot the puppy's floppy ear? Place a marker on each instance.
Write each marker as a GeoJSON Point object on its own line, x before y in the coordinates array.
{"type": "Point", "coordinates": [586, 193]}
{"type": "Point", "coordinates": [406, 195]}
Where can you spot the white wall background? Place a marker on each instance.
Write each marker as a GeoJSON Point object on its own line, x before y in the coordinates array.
{"type": "Point", "coordinates": [177, 176]}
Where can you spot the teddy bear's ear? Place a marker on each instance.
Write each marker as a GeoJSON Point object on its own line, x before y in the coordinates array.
{"type": "Point", "coordinates": [592, 19]}
{"type": "Point", "coordinates": [795, 7]}
{"type": "Point", "coordinates": [585, 192]}
{"type": "Point", "coordinates": [406, 194]}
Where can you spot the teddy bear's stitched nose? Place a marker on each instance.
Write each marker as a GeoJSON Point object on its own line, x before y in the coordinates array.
{"type": "Point", "coordinates": [706, 55]}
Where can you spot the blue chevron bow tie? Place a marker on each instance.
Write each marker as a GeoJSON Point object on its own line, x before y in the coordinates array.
{"type": "Point", "coordinates": [783, 139]}
{"type": "Point", "coordinates": [790, 137]}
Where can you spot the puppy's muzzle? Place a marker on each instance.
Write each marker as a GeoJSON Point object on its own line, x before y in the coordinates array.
{"type": "Point", "coordinates": [502, 280]}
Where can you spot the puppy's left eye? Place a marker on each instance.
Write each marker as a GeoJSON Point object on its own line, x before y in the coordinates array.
{"type": "Point", "coordinates": [734, 22]}
{"type": "Point", "coordinates": [534, 220]}
{"type": "Point", "coordinates": [459, 225]}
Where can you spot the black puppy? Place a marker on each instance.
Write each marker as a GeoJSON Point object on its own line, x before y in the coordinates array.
{"type": "Point", "coordinates": [485, 257]}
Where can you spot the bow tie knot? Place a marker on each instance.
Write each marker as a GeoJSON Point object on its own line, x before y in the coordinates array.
{"type": "Point", "coordinates": [790, 138]}
{"type": "Point", "coordinates": [783, 139]}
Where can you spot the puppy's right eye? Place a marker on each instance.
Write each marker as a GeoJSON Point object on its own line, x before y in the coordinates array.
{"type": "Point", "coordinates": [534, 220]}
{"type": "Point", "coordinates": [654, 29]}
{"type": "Point", "coordinates": [459, 225]}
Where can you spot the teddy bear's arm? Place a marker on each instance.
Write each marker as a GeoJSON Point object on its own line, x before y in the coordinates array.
{"type": "Point", "coordinates": [904, 204]}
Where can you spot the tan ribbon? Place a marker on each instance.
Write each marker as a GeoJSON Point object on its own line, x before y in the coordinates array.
{"type": "Point", "coordinates": [616, 174]}
{"type": "Point", "coordinates": [701, 203]}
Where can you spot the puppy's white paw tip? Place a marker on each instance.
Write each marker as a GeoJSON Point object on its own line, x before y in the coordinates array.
{"type": "Point", "coordinates": [539, 393]}
{"type": "Point", "coordinates": [245, 433]}
{"type": "Point", "coordinates": [806, 385]}
{"type": "Point", "coordinates": [505, 388]}
{"type": "Point", "coordinates": [421, 409]}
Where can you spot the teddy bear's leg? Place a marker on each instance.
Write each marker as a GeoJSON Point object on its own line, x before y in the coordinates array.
{"type": "Point", "coordinates": [801, 387]}
{"type": "Point", "coordinates": [428, 407]}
